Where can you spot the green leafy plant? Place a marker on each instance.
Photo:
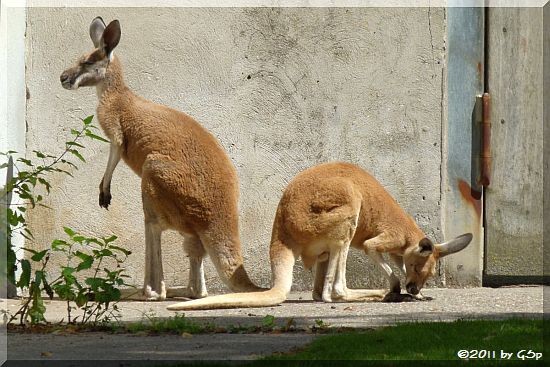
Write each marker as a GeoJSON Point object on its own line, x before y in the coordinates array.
{"type": "Point", "coordinates": [268, 322]}
{"type": "Point", "coordinates": [95, 295]}
{"type": "Point", "coordinates": [320, 325]}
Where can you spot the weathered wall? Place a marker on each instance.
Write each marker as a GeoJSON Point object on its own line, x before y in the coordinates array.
{"type": "Point", "coordinates": [546, 147]}
{"type": "Point", "coordinates": [12, 104]}
{"type": "Point", "coordinates": [282, 89]}
{"type": "Point", "coordinates": [514, 201]}
{"type": "Point", "coordinates": [462, 209]}
{"type": "Point", "coordinates": [12, 64]}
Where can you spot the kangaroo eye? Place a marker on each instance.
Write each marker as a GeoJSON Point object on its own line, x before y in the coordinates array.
{"type": "Point", "coordinates": [87, 62]}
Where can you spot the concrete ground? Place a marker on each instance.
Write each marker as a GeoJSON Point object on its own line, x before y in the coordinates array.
{"type": "Point", "coordinates": [446, 305]}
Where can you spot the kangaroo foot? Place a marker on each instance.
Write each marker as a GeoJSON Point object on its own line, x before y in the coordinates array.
{"type": "Point", "coordinates": [185, 292]}
{"type": "Point", "coordinates": [144, 294]}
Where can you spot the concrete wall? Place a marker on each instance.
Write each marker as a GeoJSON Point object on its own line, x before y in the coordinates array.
{"type": "Point", "coordinates": [546, 147]}
{"type": "Point", "coordinates": [461, 193]}
{"type": "Point", "coordinates": [12, 119]}
{"type": "Point", "coordinates": [12, 80]}
{"type": "Point", "coordinates": [282, 89]}
{"type": "Point", "coordinates": [12, 105]}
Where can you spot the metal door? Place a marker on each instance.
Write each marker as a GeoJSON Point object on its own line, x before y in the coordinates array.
{"type": "Point", "coordinates": [514, 199]}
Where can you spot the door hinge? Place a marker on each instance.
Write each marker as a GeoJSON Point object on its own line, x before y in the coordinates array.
{"type": "Point", "coordinates": [485, 156]}
{"type": "Point", "coordinates": [481, 143]}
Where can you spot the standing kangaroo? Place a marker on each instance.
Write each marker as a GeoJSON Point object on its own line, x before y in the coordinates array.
{"type": "Point", "coordinates": [325, 210]}
{"type": "Point", "coordinates": [187, 180]}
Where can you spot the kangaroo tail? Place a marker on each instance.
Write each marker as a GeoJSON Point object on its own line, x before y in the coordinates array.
{"type": "Point", "coordinates": [282, 263]}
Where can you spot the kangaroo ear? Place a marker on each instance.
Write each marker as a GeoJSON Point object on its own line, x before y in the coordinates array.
{"type": "Point", "coordinates": [425, 247]}
{"type": "Point", "coordinates": [110, 37]}
{"type": "Point", "coordinates": [96, 30]}
{"type": "Point", "coordinates": [455, 245]}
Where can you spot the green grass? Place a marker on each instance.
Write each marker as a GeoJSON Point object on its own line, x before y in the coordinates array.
{"type": "Point", "coordinates": [425, 341]}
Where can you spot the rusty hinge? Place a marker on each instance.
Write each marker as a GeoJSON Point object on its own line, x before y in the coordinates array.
{"type": "Point", "coordinates": [485, 156]}
{"type": "Point", "coordinates": [481, 143]}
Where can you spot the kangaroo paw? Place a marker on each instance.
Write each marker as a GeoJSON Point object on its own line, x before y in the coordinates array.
{"type": "Point", "coordinates": [104, 199]}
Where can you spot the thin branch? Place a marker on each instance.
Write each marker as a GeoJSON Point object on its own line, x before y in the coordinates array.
{"type": "Point", "coordinates": [41, 169]}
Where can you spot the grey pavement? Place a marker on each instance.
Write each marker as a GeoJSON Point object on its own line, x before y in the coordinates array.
{"type": "Point", "coordinates": [445, 305]}
{"type": "Point", "coordinates": [102, 346]}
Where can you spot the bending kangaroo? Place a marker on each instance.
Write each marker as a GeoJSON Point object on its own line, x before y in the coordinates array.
{"type": "Point", "coordinates": [187, 180]}
{"type": "Point", "coordinates": [325, 210]}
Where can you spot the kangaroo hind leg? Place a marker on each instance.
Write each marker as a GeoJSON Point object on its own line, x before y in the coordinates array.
{"type": "Point", "coordinates": [331, 273]}
{"type": "Point", "coordinates": [153, 285]}
{"type": "Point", "coordinates": [350, 295]}
{"type": "Point", "coordinates": [197, 284]}
{"type": "Point", "coordinates": [320, 272]}
{"type": "Point", "coordinates": [340, 291]}
{"type": "Point", "coordinates": [339, 288]}
{"type": "Point", "coordinates": [154, 288]}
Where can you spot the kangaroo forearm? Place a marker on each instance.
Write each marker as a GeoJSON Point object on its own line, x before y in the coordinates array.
{"type": "Point", "coordinates": [114, 158]}
{"type": "Point", "coordinates": [105, 185]}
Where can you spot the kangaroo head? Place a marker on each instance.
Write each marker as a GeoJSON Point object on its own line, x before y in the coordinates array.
{"type": "Point", "coordinates": [420, 260]}
{"type": "Point", "coordinates": [90, 68]}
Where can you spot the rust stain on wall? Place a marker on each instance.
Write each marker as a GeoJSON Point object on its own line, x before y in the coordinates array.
{"type": "Point", "coordinates": [523, 44]}
{"type": "Point", "coordinates": [471, 196]}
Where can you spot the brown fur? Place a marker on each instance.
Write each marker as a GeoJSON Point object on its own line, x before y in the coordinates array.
{"type": "Point", "coordinates": [323, 211]}
{"type": "Point", "coordinates": [188, 182]}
